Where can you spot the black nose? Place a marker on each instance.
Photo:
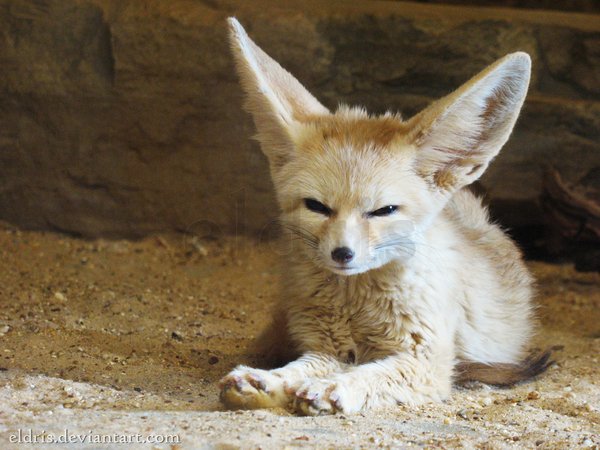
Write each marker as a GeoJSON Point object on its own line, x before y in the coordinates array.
{"type": "Point", "coordinates": [342, 255]}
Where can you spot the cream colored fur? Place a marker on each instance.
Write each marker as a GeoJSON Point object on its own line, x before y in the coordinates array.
{"type": "Point", "coordinates": [431, 285]}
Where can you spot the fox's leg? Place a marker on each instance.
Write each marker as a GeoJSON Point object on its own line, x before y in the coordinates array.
{"type": "Point", "coordinates": [400, 378]}
{"type": "Point", "coordinates": [245, 387]}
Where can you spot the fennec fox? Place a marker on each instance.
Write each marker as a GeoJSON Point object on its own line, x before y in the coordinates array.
{"type": "Point", "coordinates": [398, 284]}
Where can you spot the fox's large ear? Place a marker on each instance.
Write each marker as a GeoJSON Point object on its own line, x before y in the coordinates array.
{"type": "Point", "coordinates": [277, 101]}
{"type": "Point", "coordinates": [457, 136]}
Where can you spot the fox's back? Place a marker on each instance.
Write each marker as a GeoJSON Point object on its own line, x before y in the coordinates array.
{"type": "Point", "coordinates": [498, 287]}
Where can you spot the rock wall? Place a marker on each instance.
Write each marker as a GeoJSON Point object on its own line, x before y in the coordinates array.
{"type": "Point", "coordinates": [121, 118]}
{"type": "Point", "coordinates": [560, 5]}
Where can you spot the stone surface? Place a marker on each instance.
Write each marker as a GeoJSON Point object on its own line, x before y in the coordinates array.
{"type": "Point", "coordinates": [564, 5]}
{"type": "Point", "coordinates": [121, 118]}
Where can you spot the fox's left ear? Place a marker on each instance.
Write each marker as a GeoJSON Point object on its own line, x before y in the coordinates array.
{"type": "Point", "coordinates": [278, 103]}
{"type": "Point", "coordinates": [457, 136]}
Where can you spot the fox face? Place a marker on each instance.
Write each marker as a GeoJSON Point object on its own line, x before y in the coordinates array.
{"type": "Point", "coordinates": [357, 191]}
{"type": "Point", "coordinates": [350, 195]}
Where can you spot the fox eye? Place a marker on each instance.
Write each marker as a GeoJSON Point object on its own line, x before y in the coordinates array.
{"type": "Point", "coordinates": [385, 211]}
{"type": "Point", "coordinates": [316, 206]}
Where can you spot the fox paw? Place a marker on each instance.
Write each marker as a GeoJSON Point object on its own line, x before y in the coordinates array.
{"type": "Point", "coordinates": [321, 396]}
{"type": "Point", "coordinates": [249, 388]}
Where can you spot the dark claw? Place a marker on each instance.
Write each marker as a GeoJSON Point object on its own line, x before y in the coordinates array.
{"type": "Point", "coordinates": [257, 383]}
{"type": "Point", "coordinates": [230, 382]}
{"type": "Point", "coordinates": [304, 395]}
{"type": "Point", "coordinates": [335, 401]}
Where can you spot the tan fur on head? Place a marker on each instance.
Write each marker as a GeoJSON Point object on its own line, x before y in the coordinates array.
{"type": "Point", "coordinates": [353, 126]}
{"type": "Point", "coordinates": [393, 271]}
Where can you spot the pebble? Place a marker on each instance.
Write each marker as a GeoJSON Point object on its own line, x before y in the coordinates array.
{"type": "Point", "coordinates": [533, 395]}
{"type": "Point", "coordinates": [60, 296]}
{"type": "Point", "coordinates": [486, 401]}
{"type": "Point", "coordinates": [176, 335]}
{"type": "Point", "coordinates": [462, 414]}
{"type": "Point", "coordinates": [260, 415]}
{"type": "Point", "coordinates": [201, 249]}
{"type": "Point", "coordinates": [4, 329]}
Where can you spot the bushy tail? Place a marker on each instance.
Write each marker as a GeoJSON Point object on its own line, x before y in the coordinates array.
{"type": "Point", "coordinates": [504, 374]}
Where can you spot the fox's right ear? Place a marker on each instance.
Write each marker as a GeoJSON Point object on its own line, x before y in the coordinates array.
{"type": "Point", "coordinates": [457, 136]}
{"type": "Point", "coordinates": [278, 102]}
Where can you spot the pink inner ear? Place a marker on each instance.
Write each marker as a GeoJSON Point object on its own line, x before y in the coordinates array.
{"type": "Point", "coordinates": [500, 106]}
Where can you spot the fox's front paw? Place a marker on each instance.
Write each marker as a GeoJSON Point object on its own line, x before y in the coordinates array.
{"type": "Point", "coordinates": [249, 388]}
{"type": "Point", "coordinates": [327, 396]}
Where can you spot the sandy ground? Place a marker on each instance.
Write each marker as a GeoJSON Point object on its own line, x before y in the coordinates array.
{"type": "Point", "coordinates": [104, 337]}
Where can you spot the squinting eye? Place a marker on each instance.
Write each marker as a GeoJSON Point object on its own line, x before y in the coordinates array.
{"type": "Point", "coordinates": [315, 206]}
{"type": "Point", "coordinates": [385, 211]}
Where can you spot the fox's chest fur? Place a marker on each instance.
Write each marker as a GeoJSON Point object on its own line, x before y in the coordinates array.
{"type": "Point", "coordinates": [363, 317]}
{"type": "Point", "coordinates": [382, 319]}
